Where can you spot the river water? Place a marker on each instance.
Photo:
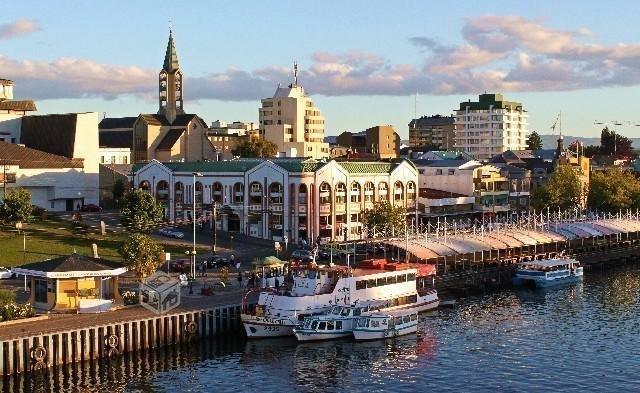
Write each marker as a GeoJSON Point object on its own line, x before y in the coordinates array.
{"type": "Point", "coordinates": [577, 338]}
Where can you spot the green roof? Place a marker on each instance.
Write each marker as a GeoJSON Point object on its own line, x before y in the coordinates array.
{"type": "Point", "coordinates": [369, 167]}
{"type": "Point", "coordinates": [299, 166]}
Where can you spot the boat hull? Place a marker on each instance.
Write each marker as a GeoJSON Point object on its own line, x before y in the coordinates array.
{"type": "Point", "coordinates": [543, 283]}
{"type": "Point", "coordinates": [371, 334]}
{"type": "Point", "coordinates": [258, 327]}
{"type": "Point", "coordinates": [316, 336]}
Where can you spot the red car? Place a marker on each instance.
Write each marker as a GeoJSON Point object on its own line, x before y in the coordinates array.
{"type": "Point", "coordinates": [91, 208]}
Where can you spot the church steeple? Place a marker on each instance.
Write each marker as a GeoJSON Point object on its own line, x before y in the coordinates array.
{"type": "Point", "coordinates": [171, 57]}
{"type": "Point", "coordinates": [170, 84]}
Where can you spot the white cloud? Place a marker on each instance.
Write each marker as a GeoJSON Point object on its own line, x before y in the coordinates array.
{"type": "Point", "coordinates": [499, 53]}
{"type": "Point", "coordinates": [18, 28]}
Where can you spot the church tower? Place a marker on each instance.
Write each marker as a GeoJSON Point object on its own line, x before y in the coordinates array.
{"type": "Point", "coordinates": [170, 84]}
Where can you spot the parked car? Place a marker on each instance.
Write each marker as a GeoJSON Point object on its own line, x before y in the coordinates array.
{"type": "Point", "coordinates": [90, 208]}
{"type": "Point", "coordinates": [217, 261]}
{"type": "Point", "coordinates": [180, 266]}
{"type": "Point", "coordinates": [168, 232]}
{"type": "Point", "coordinates": [6, 273]}
{"type": "Point", "coordinates": [302, 255]}
{"type": "Point", "coordinates": [324, 253]}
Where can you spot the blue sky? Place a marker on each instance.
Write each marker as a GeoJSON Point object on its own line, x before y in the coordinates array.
{"type": "Point", "coordinates": [362, 61]}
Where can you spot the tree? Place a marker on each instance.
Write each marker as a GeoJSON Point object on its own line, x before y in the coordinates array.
{"type": "Point", "coordinates": [16, 206]}
{"type": "Point", "coordinates": [534, 142]}
{"type": "Point", "coordinates": [614, 189]}
{"type": "Point", "coordinates": [256, 147]}
{"type": "Point", "coordinates": [385, 219]}
{"type": "Point", "coordinates": [591, 151]}
{"type": "Point", "coordinates": [140, 212]}
{"type": "Point", "coordinates": [562, 190]}
{"type": "Point", "coordinates": [614, 144]}
{"type": "Point", "coordinates": [142, 254]}
{"type": "Point", "coordinates": [118, 189]}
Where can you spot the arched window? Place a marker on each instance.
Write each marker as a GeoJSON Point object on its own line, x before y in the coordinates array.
{"type": "Point", "coordinates": [179, 193]}
{"type": "Point", "coordinates": [198, 193]}
{"type": "Point", "coordinates": [302, 194]}
{"type": "Point", "coordinates": [398, 192]}
{"type": "Point", "coordinates": [217, 192]}
{"type": "Point", "coordinates": [145, 186]}
{"type": "Point", "coordinates": [162, 191]}
{"type": "Point", "coordinates": [341, 193]}
{"type": "Point", "coordinates": [275, 193]}
{"type": "Point", "coordinates": [368, 191]}
{"type": "Point", "coordinates": [383, 191]}
{"type": "Point", "coordinates": [325, 193]}
{"type": "Point", "coordinates": [255, 193]}
{"type": "Point", "coordinates": [238, 193]}
{"type": "Point", "coordinates": [355, 192]}
{"type": "Point", "coordinates": [411, 191]}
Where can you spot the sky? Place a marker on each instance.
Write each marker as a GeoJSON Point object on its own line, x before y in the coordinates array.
{"type": "Point", "coordinates": [363, 62]}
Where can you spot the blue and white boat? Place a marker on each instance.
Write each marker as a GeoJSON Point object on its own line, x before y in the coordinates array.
{"type": "Point", "coordinates": [548, 272]}
{"type": "Point", "coordinates": [382, 324]}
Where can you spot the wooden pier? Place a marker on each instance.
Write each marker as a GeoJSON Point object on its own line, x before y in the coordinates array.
{"type": "Point", "coordinates": [34, 353]}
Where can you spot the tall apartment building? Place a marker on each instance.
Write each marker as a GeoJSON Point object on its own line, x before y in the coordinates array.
{"type": "Point", "coordinates": [291, 121]}
{"type": "Point", "coordinates": [490, 126]}
{"type": "Point", "coordinates": [434, 132]}
{"type": "Point", "coordinates": [380, 141]}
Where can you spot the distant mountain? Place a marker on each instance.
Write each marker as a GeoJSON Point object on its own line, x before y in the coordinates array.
{"type": "Point", "coordinates": [551, 141]}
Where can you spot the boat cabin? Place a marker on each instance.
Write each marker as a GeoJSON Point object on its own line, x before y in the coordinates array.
{"type": "Point", "coordinates": [316, 280]}
{"type": "Point", "coordinates": [386, 321]}
{"type": "Point", "coordinates": [267, 270]}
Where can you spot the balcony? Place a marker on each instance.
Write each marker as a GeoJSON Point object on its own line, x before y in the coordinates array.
{"type": "Point", "coordinates": [354, 207]}
{"type": "Point", "coordinates": [277, 207]}
{"type": "Point", "coordinates": [325, 209]}
{"type": "Point", "coordinates": [255, 207]}
{"type": "Point", "coordinates": [340, 208]}
{"type": "Point", "coordinates": [302, 208]}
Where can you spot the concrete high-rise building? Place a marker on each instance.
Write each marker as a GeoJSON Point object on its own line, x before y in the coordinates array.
{"type": "Point", "coordinates": [381, 142]}
{"type": "Point", "coordinates": [434, 132]}
{"type": "Point", "coordinates": [490, 126]}
{"type": "Point", "coordinates": [291, 121]}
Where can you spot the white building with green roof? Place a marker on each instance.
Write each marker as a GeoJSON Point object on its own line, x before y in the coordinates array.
{"type": "Point", "coordinates": [273, 198]}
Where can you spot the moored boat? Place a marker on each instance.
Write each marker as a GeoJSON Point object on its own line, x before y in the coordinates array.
{"type": "Point", "coordinates": [313, 290]}
{"type": "Point", "coordinates": [385, 324]}
{"type": "Point", "coordinates": [337, 323]}
{"type": "Point", "coordinates": [548, 272]}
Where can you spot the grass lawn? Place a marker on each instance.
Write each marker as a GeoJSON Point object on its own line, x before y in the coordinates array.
{"type": "Point", "coordinates": [53, 237]}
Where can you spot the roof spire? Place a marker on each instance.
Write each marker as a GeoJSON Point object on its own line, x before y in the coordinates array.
{"type": "Point", "coordinates": [295, 73]}
{"type": "Point", "coordinates": [171, 57]}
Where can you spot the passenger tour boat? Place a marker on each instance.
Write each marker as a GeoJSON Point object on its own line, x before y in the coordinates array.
{"type": "Point", "coordinates": [314, 290]}
{"type": "Point", "coordinates": [548, 272]}
{"type": "Point", "coordinates": [386, 324]}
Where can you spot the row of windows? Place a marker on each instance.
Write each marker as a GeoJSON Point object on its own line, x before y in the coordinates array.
{"type": "Point", "coordinates": [381, 281]}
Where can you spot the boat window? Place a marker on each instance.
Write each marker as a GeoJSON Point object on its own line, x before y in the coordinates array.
{"type": "Point", "coordinates": [382, 281]}
{"type": "Point", "coordinates": [336, 310]}
{"type": "Point", "coordinates": [375, 323]}
{"type": "Point", "coordinates": [338, 325]}
{"type": "Point", "coordinates": [322, 326]}
{"type": "Point", "coordinates": [301, 317]}
{"type": "Point", "coordinates": [412, 299]}
{"type": "Point", "coordinates": [314, 325]}
{"type": "Point", "coordinates": [411, 277]}
{"type": "Point", "coordinates": [392, 280]}
{"type": "Point", "coordinates": [345, 312]}
{"type": "Point", "coordinates": [312, 274]}
{"type": "Point", "coordinates": [329, 325]}
{"type": "Point", "coordinates": [371, 283]}
{"type": "Point", "coordinates": [414, 317]}
{"type": "Point", "coordinates": [362, 284]}
{"type": "Point", "coordinates": [356, 312]}
{"type": "Point", "coordinates": [402, 278]}
{"type": "Point", "coordinates": [362, 322]}
{"type": "Point", "coordinates": [307, 323]}
{"type": "Point", "coordinates": [406, 319]}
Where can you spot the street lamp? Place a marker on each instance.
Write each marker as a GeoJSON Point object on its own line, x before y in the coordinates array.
{"type": "Point", "coordinates": [193, 252]}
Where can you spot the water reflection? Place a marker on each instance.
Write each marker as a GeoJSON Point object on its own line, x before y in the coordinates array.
{"type": "Point", "coordinates": [580, 337]}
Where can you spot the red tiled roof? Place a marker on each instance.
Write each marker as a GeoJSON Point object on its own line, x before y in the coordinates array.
{"type": "Point", "coordinates": [17, 105]}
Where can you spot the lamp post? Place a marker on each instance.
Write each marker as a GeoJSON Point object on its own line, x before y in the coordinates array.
{"type": "Point", "coordinates": [193, 252]}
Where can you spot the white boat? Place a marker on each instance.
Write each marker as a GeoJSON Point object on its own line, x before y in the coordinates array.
{"type": "Point", "coordinates": [316, 289]}
{"type": "Point", "coordinates": [337, 323]}
{"type": "Point", "coordinates": [548, 272]}
{"type": "Point", "coordinates": [384, 324]}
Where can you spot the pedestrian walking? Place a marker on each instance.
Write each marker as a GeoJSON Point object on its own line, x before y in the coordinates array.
{"type": "Point", "coordinates": [240, 279]}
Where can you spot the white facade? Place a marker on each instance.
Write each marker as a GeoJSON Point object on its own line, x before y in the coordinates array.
{"type": "Point", "coordinates": [115, 155]}
{"type": "Point", "coordinates": [10, 124]}
{"type": "Point", "coordinates": [271, 199]}
{"type": "Point", "coordinates": [448, 175]}
{"type": "Point", "coordinates": [291, 121]}
{"type": "Point", "coordinates": [490, 126]}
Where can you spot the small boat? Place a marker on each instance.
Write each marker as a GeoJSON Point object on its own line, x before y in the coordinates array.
{"type": "Point", "coordinates": [381, 324]}
{"type": "Point", "coordinates": [447, 303]}
{"type": "Point", "coordinates": [548, 272]}
{"type": "Point", "coordinates": [337, 323]}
